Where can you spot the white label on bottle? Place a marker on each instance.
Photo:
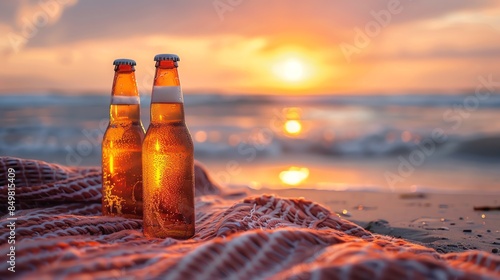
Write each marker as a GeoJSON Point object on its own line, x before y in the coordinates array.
{"type": "Point", "coordinates": [124, 100]}
{"type": "Point", "coordinates": [166, 94]}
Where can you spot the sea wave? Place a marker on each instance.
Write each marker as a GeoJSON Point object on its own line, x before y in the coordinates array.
{"type": "Point", "coordinates": [66, 121]}
{"type": "Point", "coordinates": [383, 143]}
{"type": "Point", "coordinates": [370, 100]}
{"type": "Point", "coordinates": [416, 100]}
{"type": "Point", "coordinates": [373, 145]}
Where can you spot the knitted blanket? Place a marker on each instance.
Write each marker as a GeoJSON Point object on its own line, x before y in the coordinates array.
{"type": "Point", "coordinates": [60, 234]}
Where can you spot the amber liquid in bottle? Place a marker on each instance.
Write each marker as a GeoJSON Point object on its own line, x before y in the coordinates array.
{"type": "Point", "coordinates": [121, 150]}
{"type": "Point", "coordinates": [168, 162]}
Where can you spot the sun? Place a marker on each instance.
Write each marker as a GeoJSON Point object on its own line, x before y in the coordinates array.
{"type": "Point", "coordinates": [291, 70]}
{"type": "Point", "coordinates": [293, 127]}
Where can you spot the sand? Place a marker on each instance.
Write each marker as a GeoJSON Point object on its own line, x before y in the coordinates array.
{"type": "Point", "coordinates": [445, 222]}
{"type": "Point", "coordinates": [61, 234]}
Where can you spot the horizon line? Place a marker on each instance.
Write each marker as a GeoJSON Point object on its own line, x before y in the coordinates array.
{"type": "Point", "coordinates": [243, 93]}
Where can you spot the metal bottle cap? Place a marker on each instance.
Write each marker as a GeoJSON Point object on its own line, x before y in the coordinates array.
{"type": "Point", "coordinates": [167, 56]}
{"type": "Point", "coordinates": [124, 61]}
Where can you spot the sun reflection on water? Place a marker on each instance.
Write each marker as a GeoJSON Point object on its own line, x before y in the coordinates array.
{"type": "Point", "coordinates": [293, 124]}
{"type": "Point", "coordinates": [294, 175]}
{"type": "Point", "coordinates": [293, 127]}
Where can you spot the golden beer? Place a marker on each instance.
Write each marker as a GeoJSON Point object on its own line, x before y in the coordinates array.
{"type": "Point", "coordinates": [121, 147]}
{"type": "Point", "coordinates": [168, 159]}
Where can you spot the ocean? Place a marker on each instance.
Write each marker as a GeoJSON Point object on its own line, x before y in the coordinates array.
{"type": "Point", "coordinates": [387, 143]}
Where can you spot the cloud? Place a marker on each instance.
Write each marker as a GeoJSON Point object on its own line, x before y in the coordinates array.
{"type": "Point", "coordinates": [45, 12]}
{"type": "Point", "coordinates": [435, 41]}
{"type": "Point", "coordinates": [93, 19]}
{"type": "Point", "coordinates": [27, 19]}
{"type": "Point", "coordinates": [235, 52]}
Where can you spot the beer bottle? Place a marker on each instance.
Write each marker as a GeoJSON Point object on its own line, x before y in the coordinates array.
{"type": "Point", "coordinates": [167, 158]}
{"type": "Point", "coordinates": [121, 147]}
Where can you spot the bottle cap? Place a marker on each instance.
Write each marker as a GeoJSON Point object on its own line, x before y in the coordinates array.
{"type": "Point", "coordinates": [167, 56]}
{"type": "Point", "coordinates": [124, 61]}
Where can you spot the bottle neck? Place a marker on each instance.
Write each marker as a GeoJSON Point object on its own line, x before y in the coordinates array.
{"type": "Point", "coordinates": [166, 74]}
{"type": "Point", "coordinates": [125, 103]}
{"type": "Point", "coordinates": [167, 102]}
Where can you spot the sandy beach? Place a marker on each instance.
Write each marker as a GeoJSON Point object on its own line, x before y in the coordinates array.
{"type": "Point", "coordinates": [445, 222]}
{"type": "Point", "coordinates": [60, 232]}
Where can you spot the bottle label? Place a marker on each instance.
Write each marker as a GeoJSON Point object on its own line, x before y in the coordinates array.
{"type": "Point", "coordinates": [124, 100]}
{"type": "Point", "coordinates": [167, 94]}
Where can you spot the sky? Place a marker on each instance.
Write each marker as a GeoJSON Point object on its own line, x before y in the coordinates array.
{"type": "Point", "coordinates": [250, 46]}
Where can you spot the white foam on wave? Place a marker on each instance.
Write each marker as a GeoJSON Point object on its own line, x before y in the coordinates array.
{"type": "Point", "coordinates": [167, 94]}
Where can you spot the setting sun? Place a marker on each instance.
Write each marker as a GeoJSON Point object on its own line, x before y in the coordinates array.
{"type": "Point", "coordinates": [291, 70]}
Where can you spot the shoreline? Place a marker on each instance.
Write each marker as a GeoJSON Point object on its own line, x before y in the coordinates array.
{"type": "Point", "coordinates": [444, 222]}
{"type": "Point", "coordinates": [283, 237]}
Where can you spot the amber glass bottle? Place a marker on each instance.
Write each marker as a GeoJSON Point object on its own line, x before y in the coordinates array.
{"type": "Point", "coordinates": [121, 147]}
{"type": "Point", "coordinates": [168, 158]}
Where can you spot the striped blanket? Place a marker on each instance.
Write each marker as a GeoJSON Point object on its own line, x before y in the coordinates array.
{"type": "Point", "coordinates": [59, 233]}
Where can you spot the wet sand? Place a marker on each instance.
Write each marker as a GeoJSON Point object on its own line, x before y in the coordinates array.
{"type": "Point", "coordinates": [445, 222]}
